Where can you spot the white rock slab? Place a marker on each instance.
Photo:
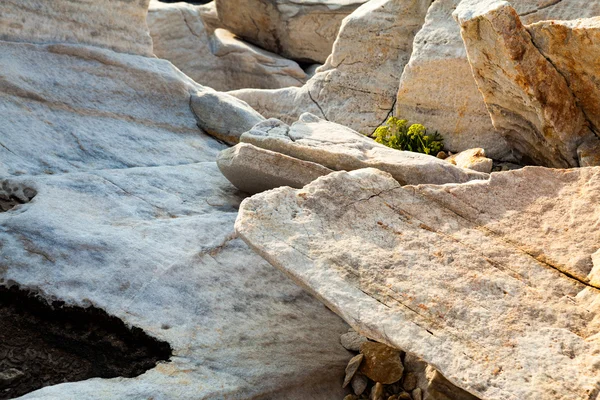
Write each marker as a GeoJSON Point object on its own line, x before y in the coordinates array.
{"type": "Point", "coordinates": [340, 148]}
{"type": "Point", "coordinates": [215, 57]}
{"type": "Point", "coordinates": [488, 281]}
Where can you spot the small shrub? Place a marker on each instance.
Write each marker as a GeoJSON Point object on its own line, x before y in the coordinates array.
{"type": "Point", "coordinates": [399, 135]}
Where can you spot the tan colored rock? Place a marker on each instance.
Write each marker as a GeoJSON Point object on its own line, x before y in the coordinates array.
{"type": "Point", "coordinates": [357, 86]}
{"type": "Point", "coordinates": [212, 56]}
{"type": "Point", "coordinates": [254, 170]}
{"type": "Point", "coordinates": [352, 368]}
{"type": "Point", "coordinates": [529, 101]}
{"type": "Point", "coordinates": [382, 363]}
{"type": "Point", "coordinates": [302, 31]}
{"type": "Point", "coordinates": [377, 392]}
{"type": "Point", "coordinates": [223, 116]}
{"type": "Point", "coordinates": [118, 25]}
{"type": "Point", "coordinates": [489, 281]}
{"type": "Point", "coordinates": [572, 47]}
{"type": "Point", "coordinates": [340, 148]}
{"type": "Point", "coordinates": [437, 87]}
{"type": "Point", "coordinates": [474, 159]}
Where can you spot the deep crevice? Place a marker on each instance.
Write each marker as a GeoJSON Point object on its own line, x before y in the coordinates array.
{"type": "Point", "coordinates": [43, 344]}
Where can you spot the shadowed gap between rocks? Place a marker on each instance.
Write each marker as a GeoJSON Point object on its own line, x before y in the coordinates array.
{"type": "Point", "coordinates": [44, 344]}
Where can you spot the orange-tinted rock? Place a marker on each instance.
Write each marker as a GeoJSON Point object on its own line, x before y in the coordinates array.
{"type": "Point", "coordinates": [381, 363]}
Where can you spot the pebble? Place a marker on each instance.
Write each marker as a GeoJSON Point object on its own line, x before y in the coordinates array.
{"type": "Point", "coordinates": [10, 375]}
{"type": "Point", "coordinates": [352, 340]}
{"type": "Point", "coordinates": [417, 394]}
{"type": "Point", "coordinates": [404, 396]}
{"type": "Point", "coordinates": [351, 397]}
{"type": "Point", "coordinates": [381, 363]}
{"type": "Point", "coordinates": [351, 368]}
{"type": "Point", "coordinates": [377, 392]}
{"type": "Point", "coordinates": [359, 384]}
{"type": "Point", "coordinates": [410, 382]}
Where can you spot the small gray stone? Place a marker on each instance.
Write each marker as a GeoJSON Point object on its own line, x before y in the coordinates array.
{"type": "Point", "coordinates": [351, 368]}
{"type": "Point", "coordinates": [352, 340]}
{"type": "Point", "coordinates": [359, 384]}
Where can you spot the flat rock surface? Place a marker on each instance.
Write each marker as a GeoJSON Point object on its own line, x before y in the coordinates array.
{"type": "Point", "coordinates": [340, 148]}
{"type": "Point", "coordinates": [489, 281]}
{"type": "Point", "coordinates": [111, 197]}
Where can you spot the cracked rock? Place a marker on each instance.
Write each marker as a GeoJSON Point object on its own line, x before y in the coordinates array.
{"type": "Point", "coordinates": [493, 282]}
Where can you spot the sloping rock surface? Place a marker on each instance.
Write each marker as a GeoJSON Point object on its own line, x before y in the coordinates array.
{"type": "Point", "coordinates": [340, 148]}
{"type": "Point", "coordinates": [357, 86]}
{"type": "Point", "coordinates": [437, 88]}
{"type": "Point", "coordinates": [529, 100]}
{"type": "Point", "coordinates": [215, 58]}
{"type": "Point", "coordinates": [301, 30]}
{"type": "Point", "coordinates": [488, 281]}
{"type": "Point", "coordinates": [111, 197]}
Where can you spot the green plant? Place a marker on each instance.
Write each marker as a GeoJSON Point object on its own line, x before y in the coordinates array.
{"type": "Point", "coordinates": [398, 134]}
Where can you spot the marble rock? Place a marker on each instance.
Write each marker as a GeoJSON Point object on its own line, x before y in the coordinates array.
{"type": "Point", "coordinates": [357, 86]}
{"type": "Point", "coordinates": [437, 88]}
{"type": "Point", "coordinates": [474, 159]}
{"type": "Point", "coordinates": [254, 170]}
{"type": "Point", "coordinates": [340, 148]}
{"type": "Point", "coordinates": [117, 202]}
{"type": "Point", "coordinates": [300, 30]}
{"type": "Point", "coordinates": [185, 35]}
{"type": "Point", "coordinates": [491, 282]}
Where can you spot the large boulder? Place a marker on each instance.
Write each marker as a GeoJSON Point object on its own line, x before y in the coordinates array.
{"type": "Point", "coordinates": [111, 197]}
{"type": "Point", "coordinates": [437, 87]}
{"type": "Point", "coordinates": [529, 100]}
{"type": "Point", "coordinates": [215, 57]}
{"type": "Point", "coordinates": [340, 148]}
{"type": "Point", "coordinates": [302, 31]}
{"type": "Point", "coordinates": [358, 84]}
{"type": "Point", "coordinates": [492, 282]}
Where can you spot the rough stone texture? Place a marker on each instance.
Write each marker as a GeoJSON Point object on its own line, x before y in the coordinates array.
{"type": "Point", "coordinates": [115, 24]}
{"type": "Point", "coordinates": [474, 159]}
{"type": "Point", "coordinates": [254, 170]}
{"type": "Point", "coordinates": [215, 58]}
{"type": "Point", "coordinates": [381, 363]}
{"type": "Point", "coordinates": [340, 148]}
{"type": "Point", "coordinates": [352, 368]}
{"type": "Point", "coordinates": [352, 340]}
{"type": "Point", "coordinates": [572, 47]}
{"type": "Point", "coordinates": [302, 31]}
{"type": "Point", "coordinates": [529, 101]}
{"type": "Point", "coordinates": [358, 84]}
{"type": "Point", "coordinates": [489, 281]}
{"type": "Point", "coordinates": [223, 116]}
{"type": "Point", "coordinates": [437, 87]}
{"type": "Point", "coordinates": [132, 216]}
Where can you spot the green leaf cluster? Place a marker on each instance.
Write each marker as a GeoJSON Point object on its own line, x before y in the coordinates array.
{"type": "Point", "coordinates": [398, 134]}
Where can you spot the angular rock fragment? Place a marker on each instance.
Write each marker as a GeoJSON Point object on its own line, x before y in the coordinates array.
{"type": "Point", "coordinates": [352, 340]}
{"type": "Point", "coordinates": [302, 31]}
{"type": "Point", "coordinates": [437, 87]}
{"type": "Point", "coordinates": [382, 363]}
{"type": "Point", "coordinates": [474, 159]}
{"type": "Point", "coordinates": [340, 148]}
{"type": "Point", "coordinates": [223, 116]}
{"type": "Point", "coordinates": [357, 86]}
{"type": "Point", "coordinates": [490, 281]}
{"type": "Point", "coordinates": [352, 368]}
{"type": "Point", "coordinates": [214, 57]}
{"type": "Point", "coordinates": [529, 101]}
{"type": "Point", "coordinates": [254, 170]}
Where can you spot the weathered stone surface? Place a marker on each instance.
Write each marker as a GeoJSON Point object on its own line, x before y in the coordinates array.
{"type": "Point", "coordinates": [352, 340]}
{"type": "Point", "coordinates": [352, 368]}
{"type": "Point", "coordinates": [382, 363]}
{"type": "Point", "coordinates": [130, 214]}
{"type": "Point", "coordinates": [529, 101]}
{"type": "Point", "coordinates": [357, 86]}
{"type": "Point", "coordinates": [437, 87]}
{"type": "Point", "coordinates": [359, 383]}
{"type": "Point", "coordinates": [215, 57]}
{"type": "Point", "coordinates": [254, 170]}
{"type": "Point", "coordinates": [223, 116]}
{"type": "Point", "coordinates": [487, 281]}
{"type": "Point", "coordinates": [299, 30]}
{"type": "Point", "coordinates": [474, 159]}
{"type": "Point", "coordinates": [340, 148]}
{"type": "Point", "coordinates": [115, 24]}
{"type": "Point", "coordinates": [572, 48]}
